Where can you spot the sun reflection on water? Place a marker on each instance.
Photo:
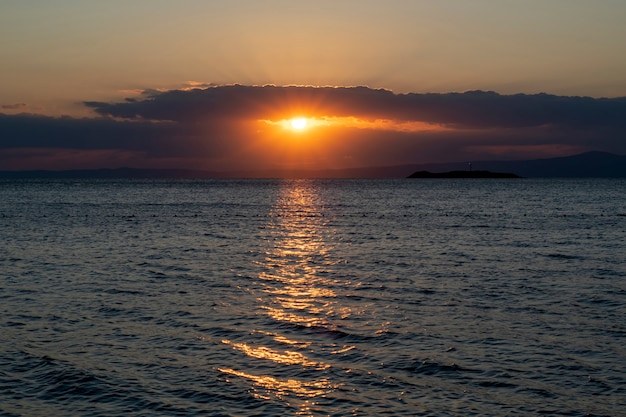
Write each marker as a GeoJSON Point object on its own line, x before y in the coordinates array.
{"type": "Point", "coordinates": [286, 357]}
{"type": "Point", "coordinates": [284, 340]}
{"type": "Point", "coordinates": [297, 288]}
{"type": "Point", "coordinates": [297, 283]}
{"type": "Point", "coordinates": [283, 388]}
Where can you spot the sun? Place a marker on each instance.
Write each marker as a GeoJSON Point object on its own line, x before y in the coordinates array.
{"type": "Point", "coordinates": [299, 123]}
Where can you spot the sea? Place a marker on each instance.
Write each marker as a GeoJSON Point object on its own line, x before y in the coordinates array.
{"type": "Point", "coordinates": [313, 297]}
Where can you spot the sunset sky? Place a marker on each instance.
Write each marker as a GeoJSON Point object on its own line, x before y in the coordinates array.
{"type": "Point", "coordinates": [242, 84]}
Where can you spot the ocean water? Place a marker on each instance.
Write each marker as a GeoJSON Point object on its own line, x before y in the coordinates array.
{"type": "Point", "coordinates": [313, 298]}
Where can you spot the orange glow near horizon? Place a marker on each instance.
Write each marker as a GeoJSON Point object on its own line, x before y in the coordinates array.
{"type": "Point", "coordinates": [325, 142]}
{"type": "Point", "coordinates": [300, 124]}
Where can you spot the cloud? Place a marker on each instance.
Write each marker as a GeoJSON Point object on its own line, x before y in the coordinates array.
{"type": "Point", "coordinates": [14, 106]}
{"type": "Point", "coordinates": [473, 109]}
{"type": "Point", "coordinates": [239, 127]}
{"type": "Point", "coordinates": [33, 131]}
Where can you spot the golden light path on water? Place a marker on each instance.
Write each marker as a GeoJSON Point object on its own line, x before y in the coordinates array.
{"type": "Point", "coordinates": [297, 288]}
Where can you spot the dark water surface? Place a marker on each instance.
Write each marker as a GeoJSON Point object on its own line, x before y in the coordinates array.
{"type": "Point", "coordinates": [313, 297]}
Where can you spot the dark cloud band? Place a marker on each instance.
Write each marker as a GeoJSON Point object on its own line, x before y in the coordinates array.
{"type": "Point", "coordinates": [474, 109]}
{"type": "Point", "coordinates": [216, 125]}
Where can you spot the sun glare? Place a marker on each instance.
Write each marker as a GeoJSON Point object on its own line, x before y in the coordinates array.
{"type": "Point", "coordinates": [298, 123]}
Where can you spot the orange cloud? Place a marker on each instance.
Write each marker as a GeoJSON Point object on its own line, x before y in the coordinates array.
{"type": "Point", "coordinates": [358, 123]}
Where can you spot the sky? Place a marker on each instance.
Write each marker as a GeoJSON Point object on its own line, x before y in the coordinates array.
{"type": "Point", "coordinates": [216, 85]}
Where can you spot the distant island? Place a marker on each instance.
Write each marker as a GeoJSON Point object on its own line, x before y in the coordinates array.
{"type": "Point", "coordinates": [462, 174]}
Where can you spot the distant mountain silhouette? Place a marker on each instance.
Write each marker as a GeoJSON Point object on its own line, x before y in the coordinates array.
{"type": "Point", "coordinates": [462, 174]}
{"type": "Point", "coordinates": [118, 173]}
{"type": "Point", "coordinates": [589, 164]}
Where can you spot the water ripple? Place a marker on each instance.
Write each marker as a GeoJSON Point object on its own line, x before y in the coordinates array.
{"type": "Point", "coordinates": [313, 298]}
